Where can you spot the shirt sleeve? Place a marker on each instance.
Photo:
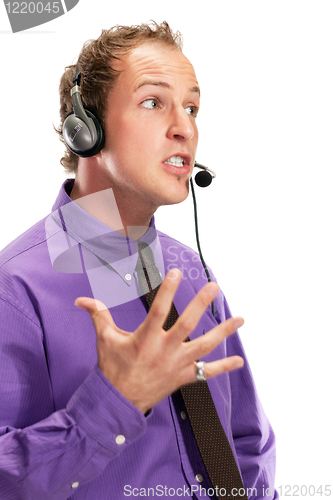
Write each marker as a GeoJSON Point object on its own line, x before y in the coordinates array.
{"type": "Point", "coordinates": [253, 436]}
{"type": "Point", "coordinates": [44, 453]}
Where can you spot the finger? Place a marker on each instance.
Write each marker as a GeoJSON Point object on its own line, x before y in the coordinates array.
{"type": "Point", "coordinates": [203, 345]}
{"type": "Point", "coordinates": [212, 368]}
{"type": "Point", "coordinates": [220, 366]}
{"type": "Point", "coordinates": [189, 318]}
{"type": "Point", "coordinates": [161, 305]}
{"type": "Point", "coordinates": [99, 313]}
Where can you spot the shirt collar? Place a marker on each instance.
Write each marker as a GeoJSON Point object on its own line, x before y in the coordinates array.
{"type": "Point", "coordinates": [113, 248]}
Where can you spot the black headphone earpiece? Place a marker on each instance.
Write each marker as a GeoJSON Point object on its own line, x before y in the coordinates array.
{"type": "Point", "coordinates": [82, 132]}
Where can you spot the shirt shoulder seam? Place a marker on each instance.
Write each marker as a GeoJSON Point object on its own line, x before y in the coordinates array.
{"type": "Point", "coordinates": [27, 249]}
{"type": "Point", "coordinates": [23, 313]}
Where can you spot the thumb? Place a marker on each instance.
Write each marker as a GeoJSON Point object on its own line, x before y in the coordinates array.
{"type": "Point", "coordinates": [98, 311]}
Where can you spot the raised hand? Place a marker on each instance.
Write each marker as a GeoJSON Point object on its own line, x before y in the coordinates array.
{"type": "Point", "coordinates": [147, 365]}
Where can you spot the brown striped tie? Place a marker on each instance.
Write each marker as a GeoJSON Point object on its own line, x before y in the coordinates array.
{"type": "Point", "coordinates": [209, 434]}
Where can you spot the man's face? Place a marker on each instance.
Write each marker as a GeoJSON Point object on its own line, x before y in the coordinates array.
{"type": "Point", "coordinates": [151, 132]}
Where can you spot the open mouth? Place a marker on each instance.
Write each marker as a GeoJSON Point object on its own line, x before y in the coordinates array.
{"type": "Point", "coordinates": [177, 161]}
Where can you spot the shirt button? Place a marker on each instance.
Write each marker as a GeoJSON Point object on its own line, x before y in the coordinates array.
{"type": "Point", "coordinates": [128, 277]}
{"type": "Point", "coordinates": [183, 415]}
{"type": "Point", "coordinates": [75, 485]}
{"type": "Point", "coordinates": [120, 439]}
{"type": "Point", "coordinates": [199, 478]}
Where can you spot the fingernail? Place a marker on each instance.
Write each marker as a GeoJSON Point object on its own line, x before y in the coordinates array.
{"type": "Point", "coordinates": [238, 323]}
{"type": "Point", "coordinates": [83, 301]}
{"type": "Point", "coordinates": [239, 363]}
{"type": "Point", "coordinates": [173, 274]}
{"type": "Point", "coordinates": [212, 290]}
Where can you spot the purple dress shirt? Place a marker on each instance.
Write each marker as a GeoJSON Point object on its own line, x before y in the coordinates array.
{"type": "Point", "coordinates": [65, 431]}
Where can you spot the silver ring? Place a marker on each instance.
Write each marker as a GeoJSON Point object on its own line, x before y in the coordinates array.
{"type": "Point", "coordinates": [200, 370]}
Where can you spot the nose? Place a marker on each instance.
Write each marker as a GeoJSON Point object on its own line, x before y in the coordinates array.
{"type": "Point", "coordinates": [182, 126]}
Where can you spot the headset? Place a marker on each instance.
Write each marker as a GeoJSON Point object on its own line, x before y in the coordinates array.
{"type": "Point", "coordinates": [82, 132]}
{"type": "Point", "coordinates": [84, 136]}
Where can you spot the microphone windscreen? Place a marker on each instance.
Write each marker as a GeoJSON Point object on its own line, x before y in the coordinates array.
{"type": "Point", "coordinates": [203, 178]}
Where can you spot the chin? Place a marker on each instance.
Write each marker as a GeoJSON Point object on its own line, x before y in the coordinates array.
{"type": "Point", "coordinates": [175, 198]}
{"type": "Point", "coordinates": [170, 193]}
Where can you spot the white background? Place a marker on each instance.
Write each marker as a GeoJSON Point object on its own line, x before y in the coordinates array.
{"type": "Point", "coordinates": [266, 127]}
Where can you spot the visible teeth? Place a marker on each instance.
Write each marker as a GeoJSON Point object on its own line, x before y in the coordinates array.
{"type": "Point", "coordinates": [176, 161]}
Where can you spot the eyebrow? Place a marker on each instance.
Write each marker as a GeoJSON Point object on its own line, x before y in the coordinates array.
{"type": "Point", "coordinates": [167, 85]}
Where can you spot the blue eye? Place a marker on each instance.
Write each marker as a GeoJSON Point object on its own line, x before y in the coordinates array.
{"type": "Point", "coordinates": [150, 104]}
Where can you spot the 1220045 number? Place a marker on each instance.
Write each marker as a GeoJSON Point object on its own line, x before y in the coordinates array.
{"type": "Point", "coordinates": [302, 491]}
{"type": "Point", "coordinates": [32, 7]}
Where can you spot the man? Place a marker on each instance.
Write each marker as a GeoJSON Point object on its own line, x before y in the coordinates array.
{"type": "Point", "coordinates": [81, 424]}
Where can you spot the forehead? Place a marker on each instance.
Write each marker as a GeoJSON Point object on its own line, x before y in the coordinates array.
{"type": "Point", "coordinates": [155, 61]}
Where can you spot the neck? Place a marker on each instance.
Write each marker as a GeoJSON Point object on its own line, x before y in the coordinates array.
{"type": "Point", "coordinates": [113, 208]}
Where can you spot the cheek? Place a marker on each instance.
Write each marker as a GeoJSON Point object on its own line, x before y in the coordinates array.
{"type": "Point", "coordinates": [195, 136]}
{"type": "Point", "coordinates": [134, 139]}
{"type": "Point", "coordinates": [140, 139]}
